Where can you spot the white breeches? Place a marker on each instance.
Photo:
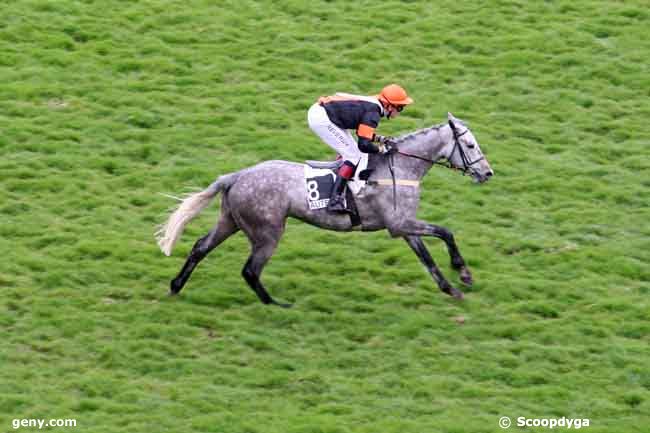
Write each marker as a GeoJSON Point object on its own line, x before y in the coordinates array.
{"type": "Point", "coordinates": [338, 139]}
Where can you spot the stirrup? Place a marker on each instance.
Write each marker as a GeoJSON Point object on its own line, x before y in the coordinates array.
{"type": "Point", "coordinates": [337, 204]}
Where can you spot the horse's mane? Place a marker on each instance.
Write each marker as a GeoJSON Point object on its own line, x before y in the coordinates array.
{"type": "Point", "coordinates": [419, 132]}
{"type": "Point", "coordinates": [423, 131]}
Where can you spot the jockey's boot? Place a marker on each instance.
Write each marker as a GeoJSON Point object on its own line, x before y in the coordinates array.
{"type": "Point", "coordinates": [337, 202]}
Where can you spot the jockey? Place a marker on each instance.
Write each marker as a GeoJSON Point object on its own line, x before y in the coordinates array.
{"type": "Point", "coordinates": [331, 118]}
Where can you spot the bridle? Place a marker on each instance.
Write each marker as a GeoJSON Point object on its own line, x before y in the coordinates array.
{"type": "Point", "coordinates": [467, 164]}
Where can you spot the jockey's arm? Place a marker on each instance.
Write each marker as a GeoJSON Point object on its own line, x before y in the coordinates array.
{"type": "Point", "coordinates": [369, 142]}
{"type": "Point", "coordinates": [366, 136]}
{"type": "Point", "coordinates": [367, 146]}
{"type": "Point", "coordinates": [376, 144]}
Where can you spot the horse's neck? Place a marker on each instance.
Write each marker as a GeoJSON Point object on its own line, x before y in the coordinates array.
{"type": "Point", "coordinates": [430, 143]}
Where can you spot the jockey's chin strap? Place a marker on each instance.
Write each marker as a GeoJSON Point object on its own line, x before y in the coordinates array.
{"type": "Point", "coordinates": [467, 164]}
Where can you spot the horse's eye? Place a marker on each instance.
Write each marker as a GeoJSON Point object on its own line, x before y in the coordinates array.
{"type": "Point", "coordinates": [470, 146]}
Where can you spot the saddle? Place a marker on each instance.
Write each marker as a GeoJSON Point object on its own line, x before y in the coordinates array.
{"type": "Point", "coordinates": [319, 178]}
{"type": "Point", "coordinates": [335, 165]}
{"type": "Point", "coordinates": [327, 165]}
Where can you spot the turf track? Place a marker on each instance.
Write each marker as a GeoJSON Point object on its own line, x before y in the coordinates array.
{"type": "Point", "coordinates": [105, 104]}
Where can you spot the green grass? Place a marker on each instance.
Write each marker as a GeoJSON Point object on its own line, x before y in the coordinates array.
{"type": "Point", "coordinates": [105, 104]}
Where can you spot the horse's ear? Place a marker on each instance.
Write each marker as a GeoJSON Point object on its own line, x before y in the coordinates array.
{"type": "Point", "coordinates": [450, 119]}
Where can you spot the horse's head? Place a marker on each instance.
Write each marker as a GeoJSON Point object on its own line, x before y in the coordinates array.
{"type": "Point", "coordinates": [465, 153]}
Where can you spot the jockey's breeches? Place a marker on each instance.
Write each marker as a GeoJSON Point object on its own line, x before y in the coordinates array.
{"type": "Point", "coordinates": [338, 139]}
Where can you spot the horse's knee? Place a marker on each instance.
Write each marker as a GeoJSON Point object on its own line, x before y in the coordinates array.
{"type": "Point", "coordinates": [396, 230]}
{"type": "Point", "coordinates": [443, 233]}
{"type": "Point", "coordinates": [396, 233]}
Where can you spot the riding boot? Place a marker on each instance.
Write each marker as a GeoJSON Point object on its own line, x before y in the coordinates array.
{"type": "Point", "coordinates": [337, 202]}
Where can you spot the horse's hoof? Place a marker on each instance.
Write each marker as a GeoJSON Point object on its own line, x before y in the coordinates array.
{"type": "Point", "coordinates": [466, 277]}
{"type": "Point", "coordinates": [283, 305]}
{"type": "Point", "coordinates": [457, 294]}
{"type": "Point", "coordinates": [453, 292]}
{"type": "Point", "coordinates": [174, 288]}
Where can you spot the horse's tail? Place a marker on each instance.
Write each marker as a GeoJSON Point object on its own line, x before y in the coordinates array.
{"type": "Point", "coordinates": [190, 207]}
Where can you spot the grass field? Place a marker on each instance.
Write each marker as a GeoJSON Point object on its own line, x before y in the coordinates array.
{"type": "Point", "coordinates": [104, 105]}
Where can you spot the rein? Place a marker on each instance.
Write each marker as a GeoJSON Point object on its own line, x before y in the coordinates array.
{"type": "Point", "coordinates": [430, 161]}
{"type": "Point", "coordinates": [392, 175]}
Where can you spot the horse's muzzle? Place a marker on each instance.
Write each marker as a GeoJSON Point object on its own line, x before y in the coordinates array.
{"type": "Point", "coordinates": [482, 177]}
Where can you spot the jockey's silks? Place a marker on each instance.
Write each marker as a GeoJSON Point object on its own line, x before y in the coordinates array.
{"type": "Point", "coordinates": [359, 113]}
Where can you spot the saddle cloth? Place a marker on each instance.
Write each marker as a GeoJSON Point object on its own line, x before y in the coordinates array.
{"type": "Point", "coordinates": [320, 176]}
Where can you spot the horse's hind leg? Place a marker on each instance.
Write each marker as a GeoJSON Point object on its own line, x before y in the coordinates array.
{"type": "Point", "coordinates": [264, 240]}
{"type": "Point", "coordinates": [224, 228]}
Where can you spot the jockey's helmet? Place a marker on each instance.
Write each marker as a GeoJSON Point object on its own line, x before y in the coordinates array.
{"type": "Point", "coordinates": [394, 95]}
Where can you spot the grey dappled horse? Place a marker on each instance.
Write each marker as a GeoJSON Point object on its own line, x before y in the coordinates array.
{"type": "Point", "coordinates": [258, 200]}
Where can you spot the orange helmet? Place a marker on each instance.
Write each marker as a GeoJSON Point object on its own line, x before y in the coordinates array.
{"type": "Point", "coordinates": [394, 95]}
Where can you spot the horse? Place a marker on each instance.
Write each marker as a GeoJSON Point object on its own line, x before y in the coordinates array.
{"type": "Point", "coordinates": [259, 199]}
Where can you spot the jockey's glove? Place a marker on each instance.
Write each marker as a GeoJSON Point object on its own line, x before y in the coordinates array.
{"type": "Point", "coordinates": [385, 144]}
{"type": "Point", "coordinates": [381, 139]}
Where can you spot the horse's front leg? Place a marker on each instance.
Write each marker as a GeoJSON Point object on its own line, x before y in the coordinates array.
{"type": "Point", "coordinates": [416, 244]}
{"type": "Point", "coordinates": [420, 228]}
